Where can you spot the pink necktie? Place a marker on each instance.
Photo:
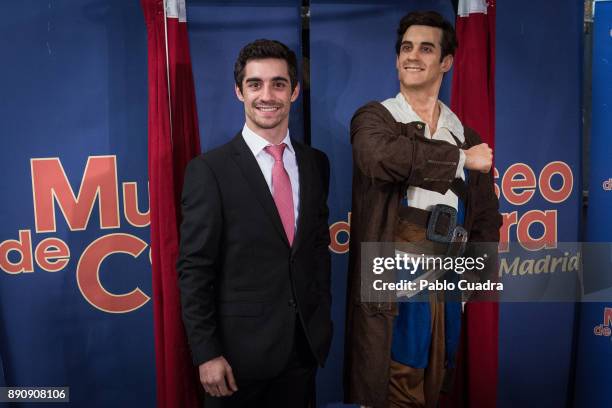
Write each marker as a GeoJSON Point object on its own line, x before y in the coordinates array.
{"type": "Point", "coordinates": [281, 187]}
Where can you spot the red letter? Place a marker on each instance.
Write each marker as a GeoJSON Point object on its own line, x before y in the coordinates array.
{"type": "Point", "coordinates": [23, 247]}
{"type": "Point", "coordinates": [495, 177]}
{"type": "Point", "coordinates": [550, 194]}
{"type": "Point", "coordinates": [518, 176]}
{"type": "Point", "coordinates": [52, 254]}
{"type": "Point", "coordinates": [548, 240]}
{"type": "Point", "coordinates": [88, 273]}
{"type": "Point", "coordinates": [336, 229]}
{"type": "Point", "coordinates": [130, 206]}
{"type": "Point", "coordinates": [509, 219]}
{"type": "Point", "coordinates": [50, 184]}
{"type": "Point", "coordinates": [607, 316]}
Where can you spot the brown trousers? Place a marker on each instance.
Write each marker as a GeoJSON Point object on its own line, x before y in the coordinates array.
{"type": "Point", "coordinates": [420, 387]}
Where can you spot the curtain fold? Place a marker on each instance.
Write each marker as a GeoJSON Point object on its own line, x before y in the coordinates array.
{"type": "Point", "coordinates": [473, 100]}
{"type": "Point", "coordinates": [173, 141]}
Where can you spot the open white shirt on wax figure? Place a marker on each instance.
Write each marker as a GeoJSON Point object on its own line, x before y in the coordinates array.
{"type": "Point", "coordinates": [257, 144]}
{"type": "Point", "coordinates": [447, 123]}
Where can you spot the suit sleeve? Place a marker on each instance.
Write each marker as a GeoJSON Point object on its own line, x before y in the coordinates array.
{"type": "Point", "coordinates": [323, 257]}
{"type": "Point", "coordinates": [197, 264]}
{"type": "Point", "coordinates": [389, 152]}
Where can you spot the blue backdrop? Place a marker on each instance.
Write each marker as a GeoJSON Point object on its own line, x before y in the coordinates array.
{"type": "Point", "coordinates": [594, 341]}
{"type": "Point", "coordinates": [74, 85]}
{"type": "Point", "coordinates": [217, 32]}
{"type": "Point", "coordinates": [538, 121]}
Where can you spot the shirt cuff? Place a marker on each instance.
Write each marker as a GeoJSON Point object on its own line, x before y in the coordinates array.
{"type": "Point", "coordinates": [459, 173]}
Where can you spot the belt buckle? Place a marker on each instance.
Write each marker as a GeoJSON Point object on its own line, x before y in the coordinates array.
{"type": "Point", "coordinates": [456, 247]}
{"type": "Point", "coordinates": [437, 211]}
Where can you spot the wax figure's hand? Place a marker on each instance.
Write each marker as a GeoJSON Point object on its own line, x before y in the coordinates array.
{"type": "Point", "coordinates": [217, 378]}
{"type": "Point", "coordinates": [479, 157]}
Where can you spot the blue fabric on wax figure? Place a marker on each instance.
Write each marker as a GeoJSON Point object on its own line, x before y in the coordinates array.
{"type": "Point", "coordinates": [412, 325]}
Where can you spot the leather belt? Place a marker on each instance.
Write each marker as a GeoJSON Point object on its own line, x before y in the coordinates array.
{"type": "Point", "coordinates": [414, 216]}
{"type": "Point", "coordinates": [441, 226]}
{"type": "Point", "coordinates": [441, 221]}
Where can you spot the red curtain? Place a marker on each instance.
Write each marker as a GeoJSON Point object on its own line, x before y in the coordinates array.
{"type": "Point", "coordinates": [473, 100]}
{"type": "Point", "coordinates": [173, 140]}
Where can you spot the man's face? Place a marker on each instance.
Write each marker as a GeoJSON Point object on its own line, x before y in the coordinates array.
{"type": "Point", "coordinates": [266, 93]}
{"type": "Point", "coordinates": [418, 63]}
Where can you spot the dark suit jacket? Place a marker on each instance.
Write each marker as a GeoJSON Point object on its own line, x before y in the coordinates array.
{"type": "Point", "coordinates": [240, 281]}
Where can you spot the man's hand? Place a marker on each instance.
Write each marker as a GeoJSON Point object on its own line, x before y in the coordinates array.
{"type": "Point", "coordinates": [217, 378]}
{"type": "Point", "coordinates": [479, 157]}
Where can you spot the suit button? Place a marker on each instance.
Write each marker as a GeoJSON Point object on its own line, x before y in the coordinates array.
{"type": "Point", "coordinates": [419, 126]}
{"type": "Point", "coordinates": [292, 303]}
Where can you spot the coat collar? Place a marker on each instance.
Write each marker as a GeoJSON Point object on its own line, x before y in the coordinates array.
{"type": "Point", "coordinates": [401, 111]}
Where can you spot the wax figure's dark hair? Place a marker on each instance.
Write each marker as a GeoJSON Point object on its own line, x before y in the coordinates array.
{"type": "Point", "coordinates": [261, 49]}
{"type": "Point", "coordinates": [432, 19]}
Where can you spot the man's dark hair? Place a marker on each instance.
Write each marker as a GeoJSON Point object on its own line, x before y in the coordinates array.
{"type": "Point", "coordinates": [261, 49]}
{"type": "Point", "coordinates": [432, 19]}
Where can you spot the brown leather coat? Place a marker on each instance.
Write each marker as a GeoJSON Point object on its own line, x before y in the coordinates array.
{"type": "Point", "coordinates": [389, 156]}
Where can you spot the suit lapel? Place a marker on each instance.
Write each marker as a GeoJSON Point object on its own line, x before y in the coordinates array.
{"type": "Point", "coordinates": [305, 175]}
{"type": "Point", "coordinates": [252, 173]}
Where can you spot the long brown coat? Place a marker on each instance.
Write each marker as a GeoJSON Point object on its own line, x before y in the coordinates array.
{"type": "Point", "coordinates": [389, 156]}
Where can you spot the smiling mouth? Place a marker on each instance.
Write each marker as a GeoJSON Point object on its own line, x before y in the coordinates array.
{"type": "Point", "coordinates": [267, 108]}
{"type": "Point", "coordinates": [414, 69]}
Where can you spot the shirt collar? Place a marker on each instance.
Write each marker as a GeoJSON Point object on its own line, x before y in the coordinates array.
{"type": "Point", "coordinates": [447, 119]}
{"type": "Point", "coordinates": [257, 143]}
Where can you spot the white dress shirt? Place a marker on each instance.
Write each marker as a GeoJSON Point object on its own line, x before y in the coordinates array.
{"type": "Point", "coordinates": [447, 123]}
{"type": "Point", "coordinates": [257, 144]}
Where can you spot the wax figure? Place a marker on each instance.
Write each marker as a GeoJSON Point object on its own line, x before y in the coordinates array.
{"type": "Point", "coordinates": [254, 265]}
{"type": "Point", "coordinates": [411, 154]}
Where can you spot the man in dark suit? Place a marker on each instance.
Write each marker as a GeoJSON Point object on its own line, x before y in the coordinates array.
{"type": "Point", "coordinates": [254, 265]}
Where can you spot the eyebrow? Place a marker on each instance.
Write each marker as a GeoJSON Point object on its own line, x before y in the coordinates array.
{"type": "Point", "coordinates": [276, 79]}
{"type": "Point", "coordinates": [423, 43]}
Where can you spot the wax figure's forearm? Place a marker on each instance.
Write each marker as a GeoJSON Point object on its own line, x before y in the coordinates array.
{"type": "Point", "coordinates": [487, 219]}
{"type": "Point", "coordinates": [197, 263]}
{"type": "Point", "coordinates": [389, 152]}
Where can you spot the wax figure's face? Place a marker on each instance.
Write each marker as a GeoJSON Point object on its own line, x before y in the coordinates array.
{"type": "Point", "coordinates": [266, 93]}
{"type": "Point", "coordinates": [418, 63]}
